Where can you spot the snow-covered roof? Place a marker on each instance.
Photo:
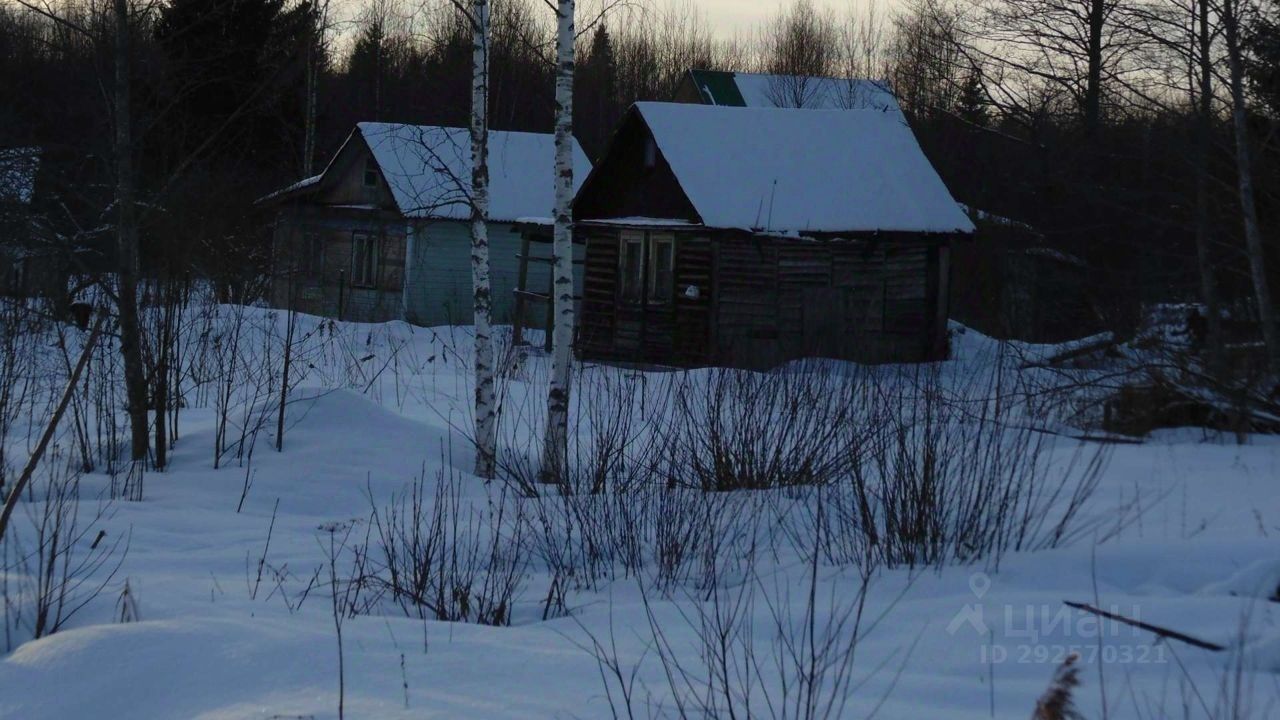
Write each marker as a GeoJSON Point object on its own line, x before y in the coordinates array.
{"type": "Point", "coordinates": [302, 184]}
{"type": "Point", "coordinates": [428, 170]}
{"type": "Point", "coordinates": [638, 221]}
{"type": "Point", "coordinates": [814, 93]}
{"type": "Point", "coordinates": [980, 214]}
{"type": "Point", "coordinates": [781, 170]}
{"type": "Point", "coordinates": [793, 91]}
{"type": "Point", "coordinates": [18, 170]}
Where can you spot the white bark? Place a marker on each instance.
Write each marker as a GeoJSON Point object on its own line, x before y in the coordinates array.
{"type": "Point", "coordinates": [557, 434]}
{"type": "Point", "coordinates": [1232, 21]}
{"type": "Point", "coordinates": [485, 410]}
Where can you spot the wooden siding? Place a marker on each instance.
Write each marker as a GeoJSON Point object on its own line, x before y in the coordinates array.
{"type": "Point", "coordinates": [668, 333]}
{"type": "Point", "coordinates": [440, 285]}
{"type": "Point", "coordinates": [694, 263]}
{"type": "Point", "coordinates": [747, 301]}
{"type": "Point", "coordinates": [440, 288]}
{"type": "Point", "coordinates": [344, 183]}
{"type": "Point", "coordinates": [596, 327]}
{"type": "Point", "coordinates": [323, 285]}
{"type": "Point", "coordinates": [623, 186]}
{"type": "Point", "coordinates": [763, 300]}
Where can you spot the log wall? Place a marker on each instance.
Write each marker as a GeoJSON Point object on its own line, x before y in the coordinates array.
{"type": "Point", "coordinates": [762, 300]}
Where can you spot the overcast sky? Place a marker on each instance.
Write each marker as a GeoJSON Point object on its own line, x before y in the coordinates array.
{"type": "Point", "coordinates": [732, 15]}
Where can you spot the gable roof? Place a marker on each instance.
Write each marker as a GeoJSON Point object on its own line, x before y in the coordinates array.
{"type": "Point", "coordinates": [18, 170]}
{"type": "Point", "coordinates": [787, 170]}
{"type": "Point", "coordinates": [428, 170]}
{"type": "Point", "coordinates": [736, 89]}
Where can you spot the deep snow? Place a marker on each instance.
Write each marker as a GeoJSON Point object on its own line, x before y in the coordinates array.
{"type": "Point", "coordinates": [1203, 557]}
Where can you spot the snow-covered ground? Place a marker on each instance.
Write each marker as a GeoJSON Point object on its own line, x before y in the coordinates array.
{"type": "Point", "coordinates": [1184, 534]}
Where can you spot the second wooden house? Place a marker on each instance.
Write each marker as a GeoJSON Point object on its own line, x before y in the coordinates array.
{"type": "Point", "coordinates": [748, 237]}
{"type": "Point", "coordinates": [384, 234]}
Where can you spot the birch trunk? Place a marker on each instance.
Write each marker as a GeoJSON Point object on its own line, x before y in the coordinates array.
{"type": "Point", "coordinates": [1204, 226]}
{"type": "Point", "coordinates": [135, 377]}
{"type": "Point", "coordinates": [557, 434]}
{"type": "Point", "coordinates": [486, 434]}
{"type": "Point", "coordinates": [1232, 21]}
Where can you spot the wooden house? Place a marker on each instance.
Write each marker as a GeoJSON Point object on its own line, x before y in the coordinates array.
{"type": "Point", "coordinates": [751, 236]}
{"type": "Point", "coordinates": [383, 233]}
{"type": "Point", "coordinates": [735, 89]}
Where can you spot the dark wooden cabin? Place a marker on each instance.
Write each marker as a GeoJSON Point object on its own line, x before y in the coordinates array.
{"type": "Point", "coordinates": [748, 237]}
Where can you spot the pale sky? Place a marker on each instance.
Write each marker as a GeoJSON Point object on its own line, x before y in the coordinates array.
{"type": "Point", "coordinates": [738, 14]}
{"type": "Point", "coordinates": [729, 16]}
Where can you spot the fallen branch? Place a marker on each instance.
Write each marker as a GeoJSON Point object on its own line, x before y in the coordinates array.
{"type": "Point", "coordinates": [1162, 632]}
{"type": "Point", "coordinates": [12, 501]}
{"type": "Point", "coordinates": [1073, 350]}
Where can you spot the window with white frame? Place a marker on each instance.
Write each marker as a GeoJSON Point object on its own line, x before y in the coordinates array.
{"type": "Point", "coordinates": [364, 260]}
{"type": "Point", "coordinates": [661, 268]}
{"type": "Point", "coordinates": [370, 173]}
{"type": "Point", "coordinates": [646, 267]}
{"type": "Point", "coordinates": [631, 261]}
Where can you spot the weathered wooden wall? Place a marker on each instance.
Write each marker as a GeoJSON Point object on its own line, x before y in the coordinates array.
{"type": "Point", "coordinates": [764, 300]}
{"type": "Point", "coordinates": [323, 286]}
{"type": "Point", "coordinates": [624, 186]}
{"type": "Point", "coordinates": [675, 333]}
{"type": "Point", "coordinates": [434, 289]}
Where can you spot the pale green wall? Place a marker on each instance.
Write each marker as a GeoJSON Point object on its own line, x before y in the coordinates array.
{"type": "Point", "coordinates": [438, 291]}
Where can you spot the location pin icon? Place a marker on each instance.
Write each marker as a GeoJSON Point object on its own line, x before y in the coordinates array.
{"type": "Point", "coordinates": [979, 583]}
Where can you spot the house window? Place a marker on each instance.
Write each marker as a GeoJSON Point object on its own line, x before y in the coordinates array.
{"type": "Point", "coordinates": [661, 268]}
{"type": "Point", "coordinates": [647, 267]}
{"type": "Point", "coordinates": [650, 153]}
{"type": "Point", "coordinates": [18, 276]}
{"type": "Point", "coordinates": [312, 254]}
{"type": "Point", "coordinates": [632, 265]}
{"type": "Point", "coordinates": [364, 260]}
{"type": "Point", "coordinates": [370, 173]}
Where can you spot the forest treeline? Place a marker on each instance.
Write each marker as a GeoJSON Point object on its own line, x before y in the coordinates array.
{"type": "Point", "coordinates": [1115, 128]}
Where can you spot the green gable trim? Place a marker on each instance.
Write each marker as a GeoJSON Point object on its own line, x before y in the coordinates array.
{"type": "Point", "coordinates": [717, 88]}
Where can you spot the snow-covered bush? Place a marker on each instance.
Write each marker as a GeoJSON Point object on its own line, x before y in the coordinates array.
{"type": "Point", "coordinates": [961, 472]}
{"type": "Point", "coordinates": [432, 555]}
{"type": "Point", "coordinates": [738, 430]}
{"type": "Point", "coordinates": [55, 559]}
{"type": "Point", "coordinates": [754, 647]}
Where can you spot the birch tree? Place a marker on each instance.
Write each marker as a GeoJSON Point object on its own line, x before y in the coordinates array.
{"type": "Point", "coordinates": [485, 410]}
{"type": "Point", "coordinates": [1232, 12]}
{"type": "Point", "coordinates": [556, 437]}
